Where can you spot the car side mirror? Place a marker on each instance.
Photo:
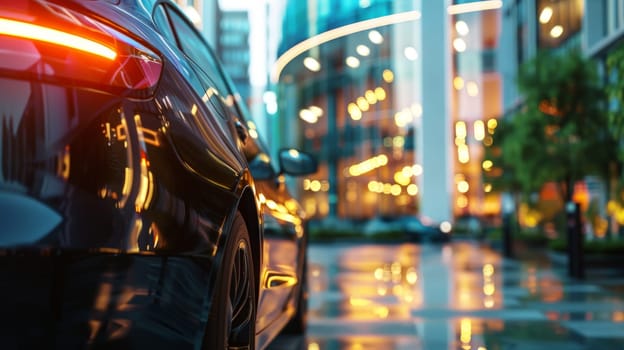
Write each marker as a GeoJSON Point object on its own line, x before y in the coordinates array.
{"type": "Point", "coordinates": [261, 168]}
{"type": "Point", "coordinates": [296, 163]}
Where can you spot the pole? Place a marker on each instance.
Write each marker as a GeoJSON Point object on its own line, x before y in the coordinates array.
{"type": "Point", "coordinates": [576, 264]}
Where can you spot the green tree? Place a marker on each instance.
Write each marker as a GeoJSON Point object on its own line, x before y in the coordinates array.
{"type": "Point", "coordinates": [615, 93]}
{"type": "Point", "coordinates": [561, 132]}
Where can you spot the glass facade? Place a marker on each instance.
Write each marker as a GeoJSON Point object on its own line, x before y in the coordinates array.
{"type": "Point", "coordinates": [476, 105]}
{"type": "Point", "coordinates": [354, 102]}
{"type": "Point", "coordinates": [558, 21]}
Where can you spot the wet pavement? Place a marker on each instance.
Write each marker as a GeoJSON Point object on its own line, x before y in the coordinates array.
{"type": "Point", "coordinates": [461, 295]}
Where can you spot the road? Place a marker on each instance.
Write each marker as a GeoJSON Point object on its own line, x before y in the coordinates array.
{"type": "Point", "coordinates": [461, 295]}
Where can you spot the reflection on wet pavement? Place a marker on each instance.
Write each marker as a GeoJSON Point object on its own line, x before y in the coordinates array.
{"type": "Point", "coordinates": [455, 296]}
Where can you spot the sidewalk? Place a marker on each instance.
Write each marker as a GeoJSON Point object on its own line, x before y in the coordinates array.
{"type": "Point", "coordinates": [585, 313]}
{"type": "Point", "coordinates": [457, 296]}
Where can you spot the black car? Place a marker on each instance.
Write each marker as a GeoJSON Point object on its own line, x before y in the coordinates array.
{"type": "Point", "coordinates": [138, 208]}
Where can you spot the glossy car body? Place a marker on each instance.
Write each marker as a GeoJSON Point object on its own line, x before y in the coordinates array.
{"type": "Point", "coordinates": [138, 209]}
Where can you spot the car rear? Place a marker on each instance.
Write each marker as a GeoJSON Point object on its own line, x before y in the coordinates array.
{"type": "Point", "coordinates": [75, 184]}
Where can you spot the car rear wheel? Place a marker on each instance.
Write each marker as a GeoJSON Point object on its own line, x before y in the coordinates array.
{"type": "Point", "coordinates": [231, 324]}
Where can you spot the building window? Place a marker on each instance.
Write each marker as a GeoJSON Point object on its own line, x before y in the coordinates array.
{"type": "Point", "coordinates": [558, 21]}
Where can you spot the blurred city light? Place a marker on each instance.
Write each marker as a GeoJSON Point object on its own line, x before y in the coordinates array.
{"type": "Point", "coordinates": [546, 15]}
{"type": "Point", "coordinates": [462, 28]}
{"type": "Point", "coordinates": [375, 37]}
{"type": "Point", "coordinates": [362, 50]}
{"type": "Point", "coordinates": [312, 64]}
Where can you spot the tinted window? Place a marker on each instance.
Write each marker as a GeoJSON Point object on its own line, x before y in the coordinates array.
{"type": "Point", "coordinates": [195, 47]}
{"type": "Point", "coordinates": [162, 23]}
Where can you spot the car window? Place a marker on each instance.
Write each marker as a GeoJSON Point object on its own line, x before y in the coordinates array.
{"type": "Point", "coordinates": [216, 90]}
{"type": "Point", "coordinates": [194, 46]}
{"type": "Point", "coordinates": [162, 23]}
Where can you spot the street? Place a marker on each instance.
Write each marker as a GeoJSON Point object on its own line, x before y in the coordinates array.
{"type": "Point", "coordinates": [461, 295]}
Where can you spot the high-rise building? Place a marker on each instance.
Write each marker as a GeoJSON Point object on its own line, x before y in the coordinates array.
{"type": "Point", "coordinates": [232, 47]}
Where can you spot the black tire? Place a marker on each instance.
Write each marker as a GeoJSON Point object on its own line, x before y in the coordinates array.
{"type": "Point", "coordinates": [232, 319]}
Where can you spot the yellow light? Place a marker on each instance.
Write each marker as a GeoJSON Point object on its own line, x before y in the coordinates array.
{"type": "Point", "coordinates": [308, 116]}
{"type": "Point", "coordinates": [388, 76]}
{"type": "Point", "coordinates": [314, 346]}
{"type": "Point", "coordinates": [462, 28]}
{"type": "Point", "coordinates": [396, 190]}
{"type": "Point", "coordinates": [492, 124]}
{"type": "Point", "coordinates": [489, 289]}
{"type": "Point", "coordinates": [370, 96]}
{"type": "Point", "coordinates": [417, 169]}
{"type": "Point", "coordinates": [410, 53]}
{"type": "Point", "coordinates": [412, 189]}
{"type": "Point", "coordinates": [488, 270]}
{"type": "Point", "coordinates": [479, 130]}
{"type": "Point", "coordinates": [407, 171]}
{"type": "Point", "coordinates": [487, 165]}
{"type": "Point", "coordinates": [382, 311]}
{"type": "Point", "coordinates": [312, 64]}
{"type": "Point", "coordinates": [368, 165]}
{"type": "Point", "coordinates": [417, 110]}
{"type": "Point", "coordinates": [362, 50]}
{"type": "Point", "coordinates": [472, 89]}
{"type": "Point", "coordinates": [372, 186]}
{"type": "Point", "coordinates": [458, 83]}
{"type": "Point", "coordinates": [411, 276]}
{"type": "Point", "coordinates": [487, 188]}
{"type": "Point", "coordinates": [459, 45]}
{"type": "Point", "coordinates": [359, 302]}
{"type": "Point", "coordinates": [352, 61]}
{"type": "Point", "coordinates": [400, 178]}
{"type": "Point", "coordinates": [400, 119]}
{"type": "Point", "coordinates": [387, 188]}
{"type": "Point", "coordinates": [363, 104]}
{"type": "Point", "coordinates": [381, 160]}
{"type": "Point", "coordinates": [463, 154]}
{"type": "Point", "coordinates": [56, 37]}
{"type": "Point", "coordinates": [465, 331]}
{"type": "Point", "coordinates": [316, 110]}
{"type": "Point", "coordinates": [460, 129]}
{"type": "Point", "coordinates": [462, 201]}
{"type": "Point", "coordinates": [398, 141]}
{"type": "Point", "coordinates": [380, 93]}
{"type": "Point", "coordinates": [354, 111]}
{"type": "Point", "coordinates": [546, 15]}
{"type": "Point", "coordinates": [315, 186]}
{"type": "Point", "coordinates": [556, 31]}
{"type": "Point", "coordinates": [463, 186]}
{"type": "Point", "coordinates": [375, 37]}
{"type": "Point", "coordinates": [271, 204]}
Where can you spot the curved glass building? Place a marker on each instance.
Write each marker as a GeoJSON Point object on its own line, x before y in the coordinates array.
{"type": "Point", "coordinates": [364, 85]}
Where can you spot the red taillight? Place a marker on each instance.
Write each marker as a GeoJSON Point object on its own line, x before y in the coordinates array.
{"type": "Point", "coordinates": [39, 33]}
{"type": "Point", "coordinates": [75, 48]}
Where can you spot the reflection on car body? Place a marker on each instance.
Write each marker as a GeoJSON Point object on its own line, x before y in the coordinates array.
{"type": "Point", "coordinates": [134, 209]}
